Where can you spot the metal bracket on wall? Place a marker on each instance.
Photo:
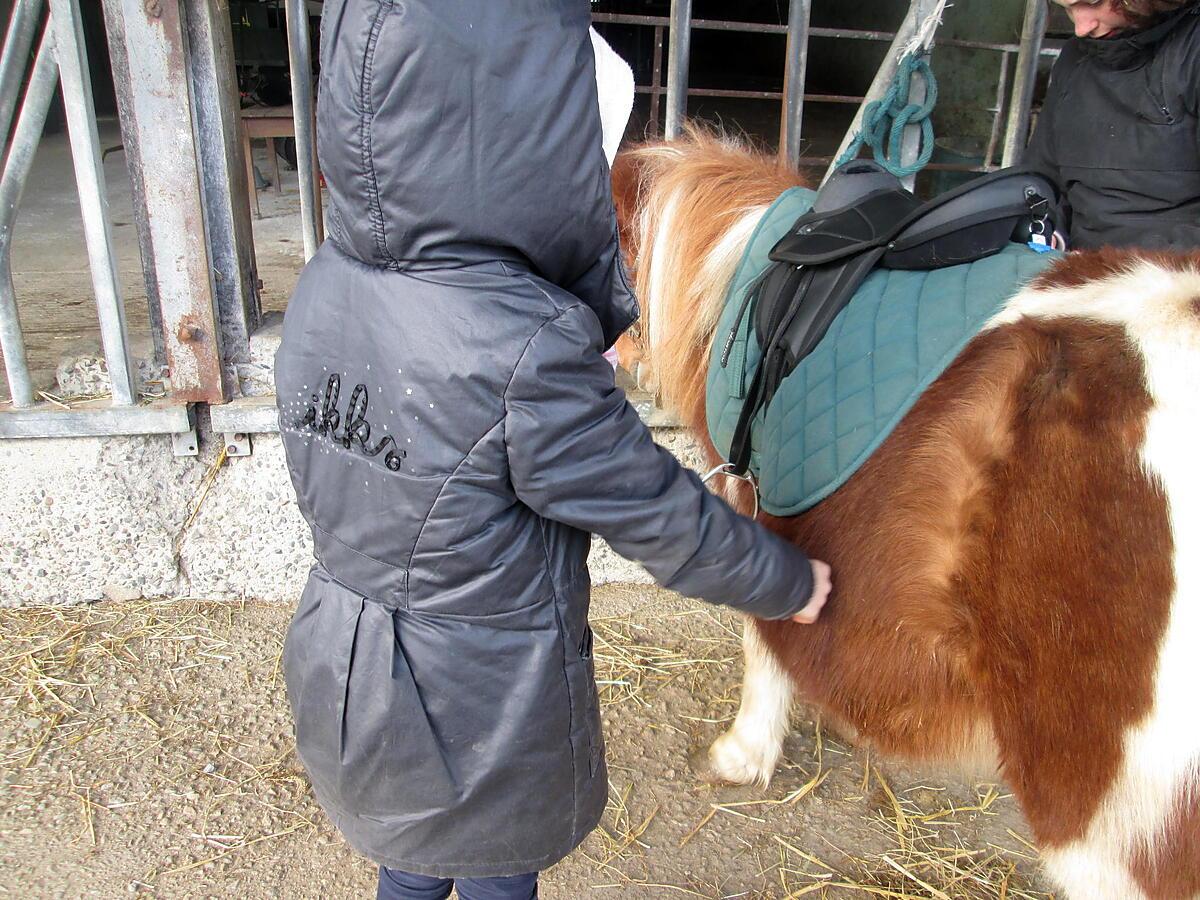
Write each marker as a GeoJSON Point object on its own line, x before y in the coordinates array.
{"type": "Point", "coordinates": [238, 443]}
{"type": "Point", "coordinates": [186, 443]}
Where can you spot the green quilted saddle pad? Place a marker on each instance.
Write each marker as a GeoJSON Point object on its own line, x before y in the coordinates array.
{"type": "Point", "coordinates": [899, 332]}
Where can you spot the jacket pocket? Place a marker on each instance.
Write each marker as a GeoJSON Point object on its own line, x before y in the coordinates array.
{"type": "Point", "coordinates": [586, 734]}
{"type": "Point", "coordinates": [577, 642]}
{"type": "Point", "coordinates": [591, 703]}
{"type": "Point", "coordinates": [1156, 108]}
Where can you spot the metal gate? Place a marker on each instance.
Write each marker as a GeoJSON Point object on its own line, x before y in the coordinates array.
{"type": "Point", "coordinates": [179, 112]}
{"type": "Point", "coordinates": [1013, 91]}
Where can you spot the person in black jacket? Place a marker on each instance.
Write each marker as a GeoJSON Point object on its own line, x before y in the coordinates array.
{"type": "Point", "coordinates": [1120, 129]}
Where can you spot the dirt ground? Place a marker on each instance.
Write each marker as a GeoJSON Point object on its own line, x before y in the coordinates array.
{"type": "Point", "coordinates": [146, 747]}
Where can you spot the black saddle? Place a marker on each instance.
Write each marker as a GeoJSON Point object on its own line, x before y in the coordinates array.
{"type": "Point", "coordinates": [864, 218]}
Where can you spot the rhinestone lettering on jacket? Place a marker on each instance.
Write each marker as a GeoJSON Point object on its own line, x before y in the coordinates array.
{"type": "Point", "coordinates": [323, 418]}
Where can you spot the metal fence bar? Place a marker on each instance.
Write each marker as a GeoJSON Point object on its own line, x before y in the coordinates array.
{"type": "Point", "coordinates": [26, 137]}
{"type": "Point", "coordinates": [1032, 33]}
{"type": "Point", "coordinates": [119, 61]}
{"type": "Point", "coordinates": [858, 34]}
{"type": "Point", "coordinates": [49, 421]}
{"type": "Point", "coordinates": [656, 88]}
{"type": "Point", "coordinates": [817, 162]}
{"type": "Point", "coordinates": [799, 15]}
{"type": "Point", "coordinates": [300, 61]}
{"type": "Point", "coordinates": [93, 195]}
{"type": "Point", "coordinates": [832, 98]}
{"type": "Point", "coordinates": [1001, 94]}
{"type": "Point", "coordinates": [708, 24]}
{"type": "Point", "coordinates": [22, 28]}
{"type": "Point", "coordinates": [677, 74]}
{"type": "Point", "coordinates": [730, 92]}
{"type": "Point", "coordinates": [753, 95]}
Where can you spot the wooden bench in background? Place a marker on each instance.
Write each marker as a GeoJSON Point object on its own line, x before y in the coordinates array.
{"type": "Point", "coordinates": [271, 122]}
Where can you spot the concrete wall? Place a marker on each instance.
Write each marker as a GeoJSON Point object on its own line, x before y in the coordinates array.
{"type": "Point", "coordinates": [83, 519]}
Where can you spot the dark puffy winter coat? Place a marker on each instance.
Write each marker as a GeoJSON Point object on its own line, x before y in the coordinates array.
{"type": "Point", "coordinates": [1120, 134]}
{"type": "Point", "coordinates": [454, 434]}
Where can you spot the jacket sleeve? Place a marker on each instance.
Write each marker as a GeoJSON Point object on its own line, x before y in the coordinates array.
{"type": "Point", "coordinates": [1041, 153]}
{"type": "Point", "coordinates": [1187, 73]}
{"type": "Point", "coordinates": [579, 454]}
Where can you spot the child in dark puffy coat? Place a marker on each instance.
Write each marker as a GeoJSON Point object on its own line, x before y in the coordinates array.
{"type": "Point", "coordinates": [455, 437]}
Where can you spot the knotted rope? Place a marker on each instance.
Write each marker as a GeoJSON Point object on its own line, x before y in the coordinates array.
{"type": "Point", "coordinates": [884, 120]}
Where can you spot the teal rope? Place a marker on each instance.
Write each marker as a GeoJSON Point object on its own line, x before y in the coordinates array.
{"type": "Point", "coordinates": [884, 120]}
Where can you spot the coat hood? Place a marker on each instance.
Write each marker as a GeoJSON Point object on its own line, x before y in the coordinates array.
{"type": "Point", "coordinates": [1136, 48]}
{"type": "Point", "coordinates": [458, 132]}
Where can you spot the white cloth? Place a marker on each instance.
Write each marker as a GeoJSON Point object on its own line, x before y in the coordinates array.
{"type": "Point", "coordinates": [614, 85]}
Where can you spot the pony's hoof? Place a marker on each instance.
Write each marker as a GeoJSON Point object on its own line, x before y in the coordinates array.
{"type": "Point", "coordinates": [732, 761]}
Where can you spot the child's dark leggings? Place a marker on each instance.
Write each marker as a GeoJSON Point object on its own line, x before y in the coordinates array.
{"type": "Point", "coordinates": [397, 885]}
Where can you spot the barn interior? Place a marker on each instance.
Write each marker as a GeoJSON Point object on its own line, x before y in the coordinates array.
{"type": "Point", "coordinates": [735, 79]}
{"type": "Point", "coordinates": [149, 739]}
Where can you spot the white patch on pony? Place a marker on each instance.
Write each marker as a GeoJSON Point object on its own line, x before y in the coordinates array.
{"type": "Point", "coordinates": [720, 265]}
{"type": "Point", "coordinates": [1146, 295]}
{"type": "Point", "coordinates": [1090, 873]}
{"type": "Point", "coordinates": [661, 264]}
{"type": "Point", "coordinates": [1162, 753]}
{"type": "Point", "coordinates": [749, 751]}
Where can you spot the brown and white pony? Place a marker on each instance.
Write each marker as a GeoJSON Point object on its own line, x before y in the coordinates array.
{"type": "Point", "coordinates": [1016, 569]}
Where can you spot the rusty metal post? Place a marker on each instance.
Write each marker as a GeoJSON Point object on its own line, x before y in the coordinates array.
{"type": "Point", "coordinates": [148, 43]}
{"type": "Point", "coordinates": [224, 187]}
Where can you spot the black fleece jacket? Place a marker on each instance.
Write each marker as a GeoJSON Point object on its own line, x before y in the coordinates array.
{"type": "Point", "coordinates": [1120, 134]}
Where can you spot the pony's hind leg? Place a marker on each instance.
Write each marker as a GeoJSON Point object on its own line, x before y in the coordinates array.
{"type": "Point", "coordinates": [749, 751]}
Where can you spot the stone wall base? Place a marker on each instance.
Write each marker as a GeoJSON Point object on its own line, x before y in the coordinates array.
{"type": "Point", "coordinates": [83, 519]}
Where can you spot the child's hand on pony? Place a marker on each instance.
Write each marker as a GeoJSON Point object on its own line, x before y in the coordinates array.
{"type": "Point", "coordinates": [822, 585]}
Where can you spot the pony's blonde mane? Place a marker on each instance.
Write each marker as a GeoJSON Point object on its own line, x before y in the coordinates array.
{"type": "Point", "coordinates": [698, 200]}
